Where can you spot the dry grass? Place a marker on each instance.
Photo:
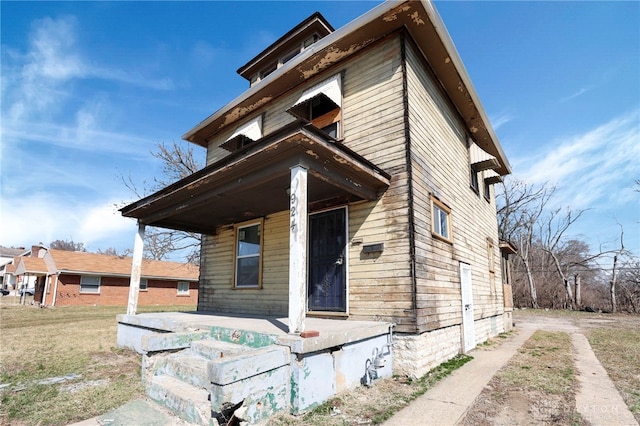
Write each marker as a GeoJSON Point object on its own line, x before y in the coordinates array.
{"type": "Point", "coordinates": [371, 405]}
{"type": "Point", "coordinates": [537, 386]}
{"type": "Point", "coordinates": [617, 346]}
{"type": "Point", "coordinates": [37, 344]}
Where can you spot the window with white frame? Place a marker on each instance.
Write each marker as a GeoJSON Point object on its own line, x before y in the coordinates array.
{"type": "Point", "coordinates": [248, 252]}
{"type": "Point", "coordinates": [441, 226]}
{"type": "Point", "coordinates": [183, 288]}
{"type": "Point", "coordinates": [144, 284]}
{"type": "Point", "coordinates": [89, 284]}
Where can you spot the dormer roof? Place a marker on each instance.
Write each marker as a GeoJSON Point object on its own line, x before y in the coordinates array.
{"type": "Point", "coordinates": [315, 24]}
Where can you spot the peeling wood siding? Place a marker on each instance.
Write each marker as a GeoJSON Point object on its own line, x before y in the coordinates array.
{"type": "Point", "coordinates": [379, 285]}
{"type": "Point", "coordinates": [441, 167]}
{"type": "Point", "coordinates": [373, 125]}
{"type": "Point", "coordinates": [217, 292]}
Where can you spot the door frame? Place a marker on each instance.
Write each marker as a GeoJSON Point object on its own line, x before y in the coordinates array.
{"type": "Point", "coordinates": [346, 260]}
{"type": "Point", "coordinates": [468, 322]}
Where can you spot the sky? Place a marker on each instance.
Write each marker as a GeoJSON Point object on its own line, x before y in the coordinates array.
{"type": "Point", "coordinates": [89, 90]}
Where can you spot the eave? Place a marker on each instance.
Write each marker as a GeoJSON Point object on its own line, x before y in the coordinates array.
{"type": "Point", "coordinates": [425, 26]}
{"type": "Point", "coordinates": [254, 182]}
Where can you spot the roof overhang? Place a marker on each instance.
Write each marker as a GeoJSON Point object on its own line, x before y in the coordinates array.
{"type": "Point", "coordinates": [424, 25]}
{"type": "Point", "coordinates": [254, 182]}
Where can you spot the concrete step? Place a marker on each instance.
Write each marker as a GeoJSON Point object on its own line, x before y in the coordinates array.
{"type": "Point", "coordinates": [186, 401]}
{"type": "Point", "coordinates": [214, 349]}
{"type": "Point", "coordinates": [189, 368]}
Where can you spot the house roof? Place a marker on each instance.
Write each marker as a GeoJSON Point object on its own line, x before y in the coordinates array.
{"type": "Point", "coordinates": [101, 264]}
{"type": "Point", "coordinates": [31, 265]}
{"type": "Point", "coordinates": [12, 252]}
{"type": "Point", "coordinates": [423, 23]}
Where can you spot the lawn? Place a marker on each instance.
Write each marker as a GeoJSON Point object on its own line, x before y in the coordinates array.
{"type": "Point", "coordinates": [73, 345]}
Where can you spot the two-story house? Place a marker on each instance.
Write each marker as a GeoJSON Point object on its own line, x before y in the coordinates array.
{"type": "Point", "coordinates": [352, 180]}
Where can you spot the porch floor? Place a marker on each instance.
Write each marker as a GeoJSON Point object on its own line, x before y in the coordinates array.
{"type": "Point", "coordinates": [331, 332]}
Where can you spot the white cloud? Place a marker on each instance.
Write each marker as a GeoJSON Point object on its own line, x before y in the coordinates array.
{"type": "Point", "coordinates": [580, 92]}
{"type": "Point", "coordinates": [590, 168]}
{"type": "Point", "coordinates": [44, 217]}
{"type": "Point", "coordinates": [500, 119]}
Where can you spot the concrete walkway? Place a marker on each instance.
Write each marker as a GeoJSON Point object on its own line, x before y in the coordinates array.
{"type": "Point", "coordinates": [447, 403]}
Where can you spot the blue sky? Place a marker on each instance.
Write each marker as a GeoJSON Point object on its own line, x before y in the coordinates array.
{"type": "Point", "coordinates": [90, 88]}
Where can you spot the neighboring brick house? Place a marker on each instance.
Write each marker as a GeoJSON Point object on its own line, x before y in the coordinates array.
{"type": "Point", "coordinates": [8, 256]}
{"type": "Point", "coordinates": [80, 278]}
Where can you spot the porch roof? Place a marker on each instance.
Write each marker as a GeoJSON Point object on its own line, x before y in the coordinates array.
{"type": "Point", "coordinates": [254, 182]}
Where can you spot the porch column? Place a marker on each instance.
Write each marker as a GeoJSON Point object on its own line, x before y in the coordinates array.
{"type": "Point", "coordinates": [136, 267]}
{"type": "Point", "coordinates": [297, 249]}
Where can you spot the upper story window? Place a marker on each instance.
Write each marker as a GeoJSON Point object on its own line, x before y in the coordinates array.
{"type": "Point", "coordinates": [284, 59]}
{"type": "Point", "coordinates": [440, 221]}
{"type": "Point", "coordinates": [244, 135]}
{"type": "Point", "coordinates": [89, 284]}
{"type": "Point", "coordinates": [479, 160]}
{"type": "Point", "coordinates": [321, 105]}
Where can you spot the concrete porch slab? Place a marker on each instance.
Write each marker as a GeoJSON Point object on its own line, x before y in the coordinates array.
{"type": "Point", "coordinates": [331, 332]}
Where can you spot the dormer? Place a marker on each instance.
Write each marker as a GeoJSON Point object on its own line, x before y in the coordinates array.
{"type": "Point", "coordinates": [301, 37]}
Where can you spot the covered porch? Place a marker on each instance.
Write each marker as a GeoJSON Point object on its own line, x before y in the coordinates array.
{"type": "Point", "coordinates": [298, 168]}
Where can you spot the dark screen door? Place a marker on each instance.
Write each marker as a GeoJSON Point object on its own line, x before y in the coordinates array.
{"type": "Point", "coordinates": [327, 278]}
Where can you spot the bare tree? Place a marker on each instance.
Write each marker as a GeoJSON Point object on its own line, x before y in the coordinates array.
{"type": "Point", "coordinates": [178, 161]}
{"type": "Point", "coordinates": [67, 245]}
{"type": "Point", "coordinates": [111, 251]}
{"type": "Point", "coordinates": [614, 272]}
{"type": "Point", "coordinates": [519, 207]}
{"type": "Point", "coordinates": [553, 232]}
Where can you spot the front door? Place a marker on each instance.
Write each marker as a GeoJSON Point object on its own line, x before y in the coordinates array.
{"type": "Point", "coordinates": [327, 264]}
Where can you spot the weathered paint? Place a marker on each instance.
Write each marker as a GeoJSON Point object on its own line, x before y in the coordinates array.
{"type": "Point", "coordinates": [248, 338]}
{"type": "Point", "coordinates": [136, 269]}
{"type": "Point", "coordinates": [314, 379]}
{"type": "Point", "coordinates": [168, 341]}
{"type": "Point", "coordinates": [297, 249]}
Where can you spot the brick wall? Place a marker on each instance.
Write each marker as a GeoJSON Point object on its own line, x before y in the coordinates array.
{"type": "Point", "coordinates": [114, 291]}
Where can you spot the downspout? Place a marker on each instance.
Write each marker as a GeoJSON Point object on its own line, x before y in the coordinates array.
{"type": "Point", "coordinates": [55, 289]}
{"type": "Point", "coordinates": [408, 160]}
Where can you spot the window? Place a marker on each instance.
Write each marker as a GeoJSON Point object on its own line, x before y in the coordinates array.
{"type": "Point", "coordinates": [244, 135]}
{"type": "Point", "coordinates": [491, 255]}
{"type": "Point", "coordinates": [487, 191]}
{"type": "Point", "coordinates": [321, 105]}
{"type": "Point", "coordinates": [183, 288]}
{"type": "Point", "coordinates": [474, 180]}
{"type": "Point", "coordinates": [89, 284]}
{"type": "Point", "coordinates": [248, 256]}
{"type": "Point", "coordinates": [440, 223]}
{"type": "Point", "coordinates": [144, 284]}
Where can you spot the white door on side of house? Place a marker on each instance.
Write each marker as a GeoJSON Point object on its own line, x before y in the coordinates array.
{"type": "Point", "coordinates": [469, 336]}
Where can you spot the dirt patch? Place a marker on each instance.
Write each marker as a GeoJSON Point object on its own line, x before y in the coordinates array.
{"type": "Point", "coordinates": [537, 386]}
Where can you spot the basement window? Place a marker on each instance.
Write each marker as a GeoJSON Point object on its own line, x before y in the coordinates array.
{"type": "Point", "coordinates": [248, 255]}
